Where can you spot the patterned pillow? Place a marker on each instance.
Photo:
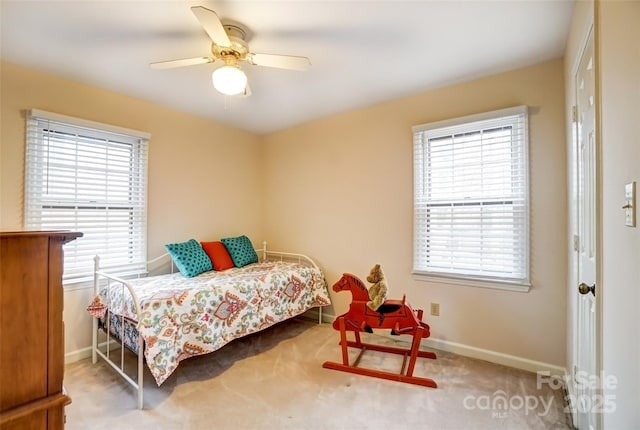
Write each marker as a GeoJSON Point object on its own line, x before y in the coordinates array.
{"type": "Point", "coordinates": [189, 257]}
{"type": "Point", "coordinates": [241, 250]}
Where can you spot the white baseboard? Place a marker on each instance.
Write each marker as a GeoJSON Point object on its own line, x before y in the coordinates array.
{"type": "Point", "coordinates": [328, 318]}
{"type": "Point", "coordinates": [82, 353]}
{"type": "Point", "coordinates": [77, 355]}
{"type": "Point", "coordinates": [474, 352]}
{"type": "Point", "coordinates": [495, 357]}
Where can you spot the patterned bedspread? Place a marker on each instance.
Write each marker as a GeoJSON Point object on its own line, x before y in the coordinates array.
{"type": "Point", "coordinates": [183, 317]}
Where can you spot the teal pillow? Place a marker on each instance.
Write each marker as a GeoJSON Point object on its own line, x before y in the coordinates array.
{"type": "Point", "coordinates": [241, 250]}
{"type": "Point", "coordinates": [189, 257]}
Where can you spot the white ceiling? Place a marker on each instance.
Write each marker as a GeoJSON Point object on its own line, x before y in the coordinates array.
{"type": "Point", "coordinates": [362, 52]}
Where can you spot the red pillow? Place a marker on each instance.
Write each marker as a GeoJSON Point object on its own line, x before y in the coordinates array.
{"type": "Point", "coordinates": [218, 254]}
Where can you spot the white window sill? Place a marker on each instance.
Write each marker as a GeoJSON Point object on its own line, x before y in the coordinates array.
{"type": "Point", "coordinates": [473, 282]}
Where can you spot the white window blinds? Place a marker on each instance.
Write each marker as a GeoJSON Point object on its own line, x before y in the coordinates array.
{"type": "Point", "coordinates": [471, 198]}
{"type": "Point", "coordinates": [92, 178]}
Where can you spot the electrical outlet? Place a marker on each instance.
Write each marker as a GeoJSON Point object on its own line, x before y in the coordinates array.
{"type": "Point", "coordinates": [435, 309]}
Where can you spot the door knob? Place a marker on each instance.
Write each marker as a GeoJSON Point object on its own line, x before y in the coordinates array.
{"type": "Point", "coordinates": [586, 289]}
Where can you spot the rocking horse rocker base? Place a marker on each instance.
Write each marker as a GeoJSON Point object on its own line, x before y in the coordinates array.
{"type": "Point", "coordinates": [397, 316]}
{"type": "Point", "coordinates": [406, 373]}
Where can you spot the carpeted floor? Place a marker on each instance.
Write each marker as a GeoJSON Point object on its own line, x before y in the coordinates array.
{"type": "Point", "coordinates": [275, 380]}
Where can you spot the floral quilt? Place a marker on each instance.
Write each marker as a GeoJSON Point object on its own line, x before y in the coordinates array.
{"type": "Point", "coordinates": [184, 317]}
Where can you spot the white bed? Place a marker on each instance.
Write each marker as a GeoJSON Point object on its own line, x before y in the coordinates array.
{"type": "Point", "coordinates": [171, 317]}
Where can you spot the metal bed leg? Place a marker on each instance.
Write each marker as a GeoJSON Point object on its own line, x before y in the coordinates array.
{"type": "Point", "coordinates": [140, 371]}
{"type": "Point", "coordinates": [94, 338]}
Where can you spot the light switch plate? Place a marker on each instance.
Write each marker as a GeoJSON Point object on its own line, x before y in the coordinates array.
{"type": "Point", "coordinates": [630, 204]}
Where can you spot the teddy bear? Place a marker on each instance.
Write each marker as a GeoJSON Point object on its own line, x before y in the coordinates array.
{"type": "Point", "coordinates": [377, 291]}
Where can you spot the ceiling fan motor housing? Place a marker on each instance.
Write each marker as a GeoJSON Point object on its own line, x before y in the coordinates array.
{"type": "Point", "coordinates": [237, 51]}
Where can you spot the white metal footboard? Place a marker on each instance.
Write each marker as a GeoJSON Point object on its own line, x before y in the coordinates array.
{"type": "Point", "coordinates": [106, 356]}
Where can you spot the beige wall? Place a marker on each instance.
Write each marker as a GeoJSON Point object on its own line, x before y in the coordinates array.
{"type": "Point", "coordinates": [619, 50]}
{"type": "Point", "coordinates": [205, 178]}
{"type": "Point", "coordinates": [340, 189]}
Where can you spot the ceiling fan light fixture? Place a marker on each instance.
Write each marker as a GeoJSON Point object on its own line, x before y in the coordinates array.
{"type": "Point", "coordinates": [229, 80]}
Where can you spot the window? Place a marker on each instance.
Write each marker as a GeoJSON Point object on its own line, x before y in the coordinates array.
{"type": "Point", "coordinates": [471, 199]}
{"type": "Point", "coordinates": [88, 177]}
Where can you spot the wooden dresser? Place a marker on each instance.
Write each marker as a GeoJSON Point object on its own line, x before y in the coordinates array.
{"type": "Point", "coordinates": [31, 330]}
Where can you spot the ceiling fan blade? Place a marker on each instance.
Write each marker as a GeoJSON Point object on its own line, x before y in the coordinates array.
{"type": "Point", "coordinates": [181, 63]}
{"type": "Point", "coordinates": [212, 25]}
{"type": "Point", "coordinates": [280, 61]}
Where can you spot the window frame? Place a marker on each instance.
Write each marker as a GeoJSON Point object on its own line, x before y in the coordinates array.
{"type": "Point", "coordinates": [423, 134]}
{"type": "Point", "coordinates": [74, 158]}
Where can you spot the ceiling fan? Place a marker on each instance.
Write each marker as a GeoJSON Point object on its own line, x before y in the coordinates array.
{"type": "Point", "coordinates": [229, 46]}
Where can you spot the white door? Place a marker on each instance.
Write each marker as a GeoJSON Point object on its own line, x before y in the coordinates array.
{"type": "Point", "coordinates": [585, 377]}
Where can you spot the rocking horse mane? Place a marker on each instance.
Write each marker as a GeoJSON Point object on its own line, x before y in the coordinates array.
{"type": "Point", "coordinates": [356, 281]}
{"type": "Point", "coordinates": [352, 283]}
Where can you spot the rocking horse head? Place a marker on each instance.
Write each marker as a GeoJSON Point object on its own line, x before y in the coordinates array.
{"type": "Point", "coordinates": [352, 283]}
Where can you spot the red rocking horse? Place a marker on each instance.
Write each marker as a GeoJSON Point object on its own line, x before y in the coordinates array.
{"type": "Point", "coordinates": [396, 315]}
